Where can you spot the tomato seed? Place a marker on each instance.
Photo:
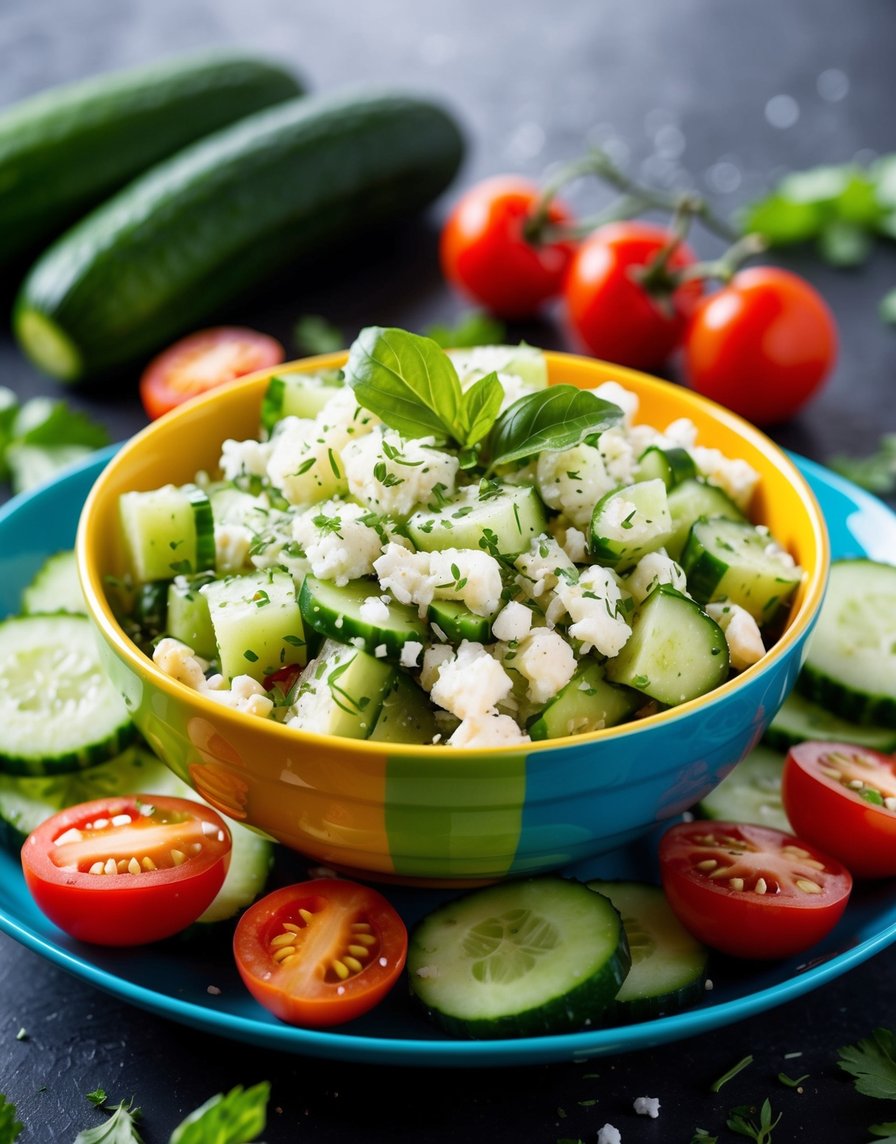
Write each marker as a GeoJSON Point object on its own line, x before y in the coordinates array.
{"type": "Point", "coordinates": [761, 886]}
{"type": "Point", "coordinates": [808, 887]}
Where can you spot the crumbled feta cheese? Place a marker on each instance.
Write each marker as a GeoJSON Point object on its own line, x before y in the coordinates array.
{"type": "Point", "coordinates": [514, 388]}
{"type": "Point", "coordinates": [380, 651]}
{"type": "Point", "coordinates": [393, 475]}
{"type": "Point", "coordinates": [410, 653]}
{"type": "Point", "coordinates": [470, 576]}
{"type": "Point", "coordinates": [573, 480]}
{"type": "Point", "coordinates": [547, 661]}
{"type": "Point", "coordinates": [613, 392]}
{"type": "Point", "coordinates": [542, 566]}
{"type": "Point", "coordinates": [232, 545]}
{"type": "Point", "coordinates": [652, 570]}
{"type": "Point", "coordinates": [433, 658]}
{"type": "Point", "coordinates": [609, 1135]}
{"type": "Point", "coordinates": [306, 455]}
{"type": "Point", "coordinates": [471, 683]}
{"type": "Point", "coordinates": [177, 660]}
{"type": "Point", "coordinates": [618, 454]}
{"type": "Point", "coordinates": [340, 540]}
{"type": "Point", "coordinates": [374, 610]}
{"type": "Point", "coordinates": [742, 633]}
{"type": "Point", "coordinates": [596, 605]}
{"type": "Point", "coordinates": [574, 543]}
{"type": "Point", "coordinates": [734, 476]}
{"type": "Point", "coordinates": [488, 731]}
{"type": "Point", "coordinates": [406, 575]}
{"type": "Point", "coordinates": [681, 434]}
{"type": "Point", "coordinates": [647, 1106]}
{"type": "Point", "coordinates": [512, 622]}
{"type": "Point", "coordinates": [241, 458]}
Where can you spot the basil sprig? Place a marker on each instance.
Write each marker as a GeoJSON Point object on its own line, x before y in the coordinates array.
{"type": "Point", "coordinates": [555, 418]}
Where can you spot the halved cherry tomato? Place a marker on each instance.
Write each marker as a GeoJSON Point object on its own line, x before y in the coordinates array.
{"type": "Point", "coordinates": [485, 253]}
{"type": "Point", "coordinates": [320, 953]}
{"type": "Point", "coordinates": [749, 890]}
{"type": "Point", "coordinates": [762, 345]}
{"type": "Point", "coordinates": [127, 870]}
{"type": "Point", "coordinates": [611, 312]}
{"type": "Point", "coordinates": [843, 798]}
{"type": "Point", "coordinates": [203, 361]}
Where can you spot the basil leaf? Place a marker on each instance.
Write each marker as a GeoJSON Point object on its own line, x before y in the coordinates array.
{"type": "Point", "coordinates": [406, 380]}
{"type": "Point", "coordinates": [555, 418]}
{"type": "Point", "coordinates": [232, 1118]}
{"type": "Point", "coordinates": [481, 403]}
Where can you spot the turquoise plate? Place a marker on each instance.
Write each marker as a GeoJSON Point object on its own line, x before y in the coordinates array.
{"type": "Point", "coordinates": [174, 978]}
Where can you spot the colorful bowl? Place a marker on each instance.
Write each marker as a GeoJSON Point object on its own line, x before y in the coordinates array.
{"type": "Point", "coordinates": [436, 814]}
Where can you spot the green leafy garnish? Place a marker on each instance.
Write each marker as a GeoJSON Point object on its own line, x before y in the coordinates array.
{"type": "Point", "coordinates": [555, 418]}
{"type": "Point", "coordinates": [701, 1136]}
{"type": "Point", "coordinates": [872, 1062]}
{"type": "Point", "coordinates": [761, 1133]}
{"type": "Point", "coordinates": [236, 1117]}
{"type": "Point", "coordinates": [745, 1062]}
{"type": "Point", "coordinates": [313, 334]}
{"type": "Point", "coordinates": [482, 401]}
{"type": "Point", "coordinates": [888, 308]}
{"type": "Point", "coordinates": [97, 1097]}
{"type": "Point", "coordinates": [120, 1128]}
{"type": "Point", "coordinates": [876, 472]}
{"type": "Point", "coordinates": [792, 1082]}
{"type": "Point", "coordinates": [886, 1131]}
{"type": "Point", "coordinates": [473, 329]}
{"type": "Point", "coordinates": [9, 1126]}
{"type": "Point", "coordinates": [41, 437]}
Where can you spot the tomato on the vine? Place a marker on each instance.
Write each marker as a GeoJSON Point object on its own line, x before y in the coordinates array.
{"type": "Point", "coordinates": [203, 361]}
{"type": "Point", "coordinates": [321, 952]}
{"type": "Point", "coordinates": [749, 890]}
{"type": "Point", "coordinates": [127, 870]}
{"type": "Point", "coordinates": [486, 253]}
{"type": "Point", "coordinates": [762, 345]}
{"type": "Point", "coordinates": [843, 798]}
{"type": "Point", "coordinates": [613, 311]}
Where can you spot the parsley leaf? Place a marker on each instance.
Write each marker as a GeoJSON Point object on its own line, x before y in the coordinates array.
{"type": "Point", "coordinates": [876, 472]}
{"type": "Point", "coordinates": [761, 1133]}
{"type": "Point", "coordinates": [886, 1131]}
{"type": "Point", "coordinates": [313, 334]}
{"type": "Point", "coordinates": [9, 1126]}
{"type": "Point", "coordinates": [473, 329]}
{"type": "Point", "coordinates": [236, 1117]}
{"type": "Point", "coordinates": [555, 418]}
{"type": "Point", "coordinates": [872, 1062]}
{"type": "Point", "coordinates": [120, 1128]}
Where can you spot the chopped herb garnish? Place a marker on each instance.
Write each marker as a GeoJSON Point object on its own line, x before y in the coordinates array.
{"type": "Point", "coordinates": [872, 1062]}
{"type": "Point", "coordinates": [761, 1133]}
{"type": "Point", "coordinates": [250, 655]}
{"type": "Point", "coordinates": [745, 1062]}
{"type": "Point", "coordinates": [10, 1127]}
{"type": "Point", "coordinates": [305, 466]}
{"type": "Point", "coordinates": [792, 1082]}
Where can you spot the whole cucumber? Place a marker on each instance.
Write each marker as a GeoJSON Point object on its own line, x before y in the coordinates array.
{"type": "Point", "coordinates": [207, 224]}
{"type": "Point", "coordinates": [68, 148]}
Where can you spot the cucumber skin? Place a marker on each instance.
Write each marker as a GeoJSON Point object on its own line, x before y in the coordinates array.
{"type": "Point", "coordinates": [66, 149]}
{"type": "Point", "coordinates": [208, 224]}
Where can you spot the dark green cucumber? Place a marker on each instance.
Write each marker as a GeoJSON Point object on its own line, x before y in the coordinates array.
{"type": "Point", "coordinates": [211, 222]}
{"type": "Point", "coordinates": [798, 719]}
{"type": "Point", "coordinates": [65, 150]}
{"type": "Point", "coordinates": [338, 612]}
{"type": "Point", "coordinates": [587, 703]}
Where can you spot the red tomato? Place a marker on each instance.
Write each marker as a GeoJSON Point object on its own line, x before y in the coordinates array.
{"type": "Point", "coordinates": [835, 796]}
{"type": "Point", "coordinates": [127, 870]}
{"type": "Point", "coordinates": [485, 254]}
{"type": "Point", "coordinates": [203, 361]}
{"type": "Point", "coordinates": [611, 313]}
{"type": "Point", "coordinates": [749, 890]}
{"type": "Point", "coordinates": [320, 953]}
{"type": "Point", "coordinates": [762, 345]}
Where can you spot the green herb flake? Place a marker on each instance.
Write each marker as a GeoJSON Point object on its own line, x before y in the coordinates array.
{"type": "Point", "coordinates": [306, 466]}
{"type": "Point", "coordinates": [250, 655]}
{"type": "Point", "coordinates": [120, 1128]}
{"type": "Point", "coordinates": [872, 1064]}
{"type": "Point", "coordinates": [10, 1127]}
{"type": "Point", "coordinates": [97, 1097]}
{"type": "Point", "coordinates": [745, 1062]}
{"type": "Point", "coordinates": [792, 1082]}
{"type": "Point", "coordinates": [760, 1133]}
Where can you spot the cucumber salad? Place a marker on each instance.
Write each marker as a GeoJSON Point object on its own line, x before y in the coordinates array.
{"type": "Point", "coordinates": [432, 547]}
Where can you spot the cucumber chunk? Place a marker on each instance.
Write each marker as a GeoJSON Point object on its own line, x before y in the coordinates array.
{"type": "Point", "coordinates": [55, 587]}
{"type": "Point", "coordinates": [251, 861]}
{"type": "Point", "coordinates": [671, 466]}
{"type": "Point", "coordinates": [675, 652]}
{"type": "Point", "coordinates": [343, 614]}
{"type": "Point", "coordinates": [730, 560]}
{"type": "Point", "coordinates": [689, 501]}
{"type": "Point", "coordinates": [798, 719]}
{"type": "Point", "coordinates": [587, 703]}
{"type": "Point", "coordinates": [850, 667]}
{"type": "Point", "coordinates": [188, 618]}
{"type": "Point", "coordinates": [503, 521]}
{"type": "Point", "coordinates": [457, 623]}
{"type": "Point", "coordinates": [750, 793]}
{"type": "Point", "coordinates": [341, 692]}
{"type": "Point", "coordinates": [167, 532]}
{"type": "Point", "coordinates": [58, 710]}
{"type": "Point", "coordinates": [668, 971]}
{"type": "Point", "coordinates": [546, 955]}
{"type": "Point", "coordinates": [525, 362]}
{"type": "Point", "coordinates": [298, 395]}
{"type": "Point", "coordinates": [628, 523]}
{"type": "Point", "coordinates": [406, 715]}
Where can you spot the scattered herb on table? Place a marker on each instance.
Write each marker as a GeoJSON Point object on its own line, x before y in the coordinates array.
{"type": "Point", "coordinates": [745, 1062]}
{"type": "Point", "coordinates": [235, 1117]}
{"type": "Point", "coordinates": [701, 1136]}
{"type": "Point", "coordinates": [792, 1082]}
{"type": "Point", "coordinates": [761, 1133]}
{"type": "Point", "coordinates": [872, 1064]}
{"type": "Point", "coordinates": [120, 1128]}
{"type": "Point", "coordinates": [887, 1132]}
{"type": "Point", "coordinates": [97, 1097]}
{"type": "Point", "coordinates": [9, 1126]}
{"type": "Point", "coordinates": [40, 437]}
{"type": "Point", "coordinates": [876, 472]}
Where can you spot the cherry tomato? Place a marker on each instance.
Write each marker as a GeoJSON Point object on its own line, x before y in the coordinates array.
{"type": "Point", "coordinates": [762, 345]}
{"type": "Point", "coordinates": [836, 795]}
{"type": "Point", "coordinates": [611, 312]}
{"type": "Point", "coordinates": [127, 870]}
{"type": "Point", "coordinates": [320, 953]}
{"type": "Point", "coordinates": [485, 254]}
{"type": "Point", "coordinates": [749, 890]}
{"type": "Point", "coordinates": [203, 361]}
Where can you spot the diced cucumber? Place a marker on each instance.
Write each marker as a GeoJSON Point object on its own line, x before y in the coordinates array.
{"type": "Point", "coordinates": [503, 521]}
{"type": "Point", "coordinates": [689, 501]}
{"type": "Point", "coordinates": [545, 955]}
{"type": "Point", "coordinates": [671, 466]}
{"type": "Point", "coordinates": [457, 623]}
{"type": "Point", "coordinates": [257, 623]}
{"type": "Point", "coordinates": [587, 703]}
{"type": "Point", "coordinates": [628, 523]}
{"type": "Point", "coordinates": [298, 395]}
{"type": "Point", "coordinates": [339, 612]}
{"type": "Point", "coordinates": [55, 587]}
{"type": "Point", "coordinates": [167, 532]}
{"type": "Point", "coordinates": [525, 362]}
{"type": "Point", "coordinates": [58, 710]}
{"type": "Point", "coordinates": [675, 652]}
{"type": "Point", "coordinates": [341, 692]}
{"type": "Point", "coordinates": [233, 505]}
{"type": "Point", "coordinates": [733, 560]}
{"type": "Point", "coordinates": [798, 719]}
{"type": "Point", "coordinates": [750, 793]}
{"type": "Point", "coordinates": [406, 715]}
{"type": "Point", "coordinates": [188, 616]}
{"type": "Point", "coordinates": [850, 667]}
{"type": "Point", "coordinates": [668, 971]}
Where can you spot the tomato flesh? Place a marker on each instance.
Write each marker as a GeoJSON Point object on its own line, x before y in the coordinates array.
{"type": "Point", "coordinates": [843, 798]}
{"type": "Point", "coordinates": [751, 891]}
{"type": "Point", "coordinates": [127, 870]}
{"type": "Point", "coordinates": [203, 361]}
{"type": "Point", "coordinates": [320, 953]}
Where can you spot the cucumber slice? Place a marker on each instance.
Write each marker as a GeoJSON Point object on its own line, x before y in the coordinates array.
{"type": "Point", "coordinates": [730, 560]}
{"type": "Point", "coordinates": [675, 652]}
{"type": "Point", "coordinates": [628, 523]}
{"type": "Point", "coordinates": [500, 522]}
{"type": "Point", "coordinates": [798, 719]}
{"type": "Point", "coordinates": [341, 692]}
{"type": "Point", "coordinates": [688, 502]}
{"type": "Point", "coordinates": [58, 710]}
{"type": "Point", "coordinates": [750, 793]}
{"type": "Point", "coordinates": [587, 703]}
{"type": "Point", "coordinates": [298, 395]}
{"type": "Point", "coordinates": [525, 362]}
{"type": "Point", "coordinates": [55, 587]}
{"type": "Point", "coordinates": [671, 466]}
{"type": "Point", "coordinates": [251, 861]}
{"type": "Point", "coordinates": [457, 623]}
{"type": "Point", "coordinates": [257, 623]}
{"type": "Point", "coordinates": [167, 532]}
{"type": "Point", "coordinates": [668, 971]}
{"type": "Point", "coordinates": [544, 955]}
{"type": "Point", "coordinates": [406, 715]}
{"type": "Point", "coordinates": [341, 614]}
{"type": "Point", "coordinates": [188, 617]}
{"type": "Point", "coordinates": [850, 667]}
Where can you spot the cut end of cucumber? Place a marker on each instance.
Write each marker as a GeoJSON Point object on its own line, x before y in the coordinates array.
{"type": "Point", "coordinates": [47, 345]}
